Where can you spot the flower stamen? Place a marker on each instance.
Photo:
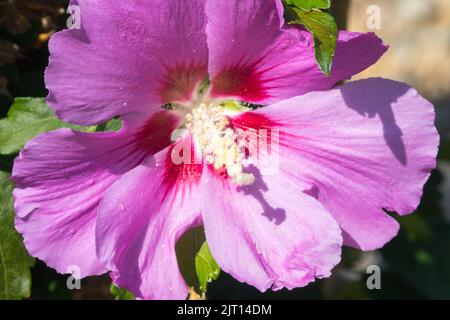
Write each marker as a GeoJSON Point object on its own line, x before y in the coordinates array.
{"type": "Point", "coordinates": [218, 141]}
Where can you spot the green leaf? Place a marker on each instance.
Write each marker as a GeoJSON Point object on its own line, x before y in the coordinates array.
{"type": "Point", "coordinates": [308, 5]}
{"type": "Point", "coordinates": [207, 268]}
{"type": "Point", "coordinates": [15, 278]}
{"type": "Point", "coordinates": [187, 248]}
{"type": "Point", "coordinates": [27, 118]}
{"type": "Point", "coordinates": [112, 125]}
{"type": "Point", "coordinates": [6, 201]}
{"type": "Point", "coordinates": [15, 263]}
{"type": "Point", "coordinates": [121, 294]}
{"type": "Point", "coordinates": [324, 29]}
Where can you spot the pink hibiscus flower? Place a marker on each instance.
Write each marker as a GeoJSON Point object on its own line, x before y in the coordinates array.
{"type": "Point", "coordinates": [118, 201]}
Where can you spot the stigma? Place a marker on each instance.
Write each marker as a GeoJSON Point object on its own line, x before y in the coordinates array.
{"type": "Point", "coordinates": [219, 142]}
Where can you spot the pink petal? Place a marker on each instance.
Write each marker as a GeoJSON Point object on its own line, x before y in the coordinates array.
{"type": "Point", "coordinates": [364, 147]}
{"type": "Point", "coordinates": [60, 179]}
{"type": "Point", "coordinates": [253, 60]}
{"type": "Point", "coordinates": [139, 221]}
{"type": "Point", "coordinates": [269, 235]}
{"type": "Point", "coordinates": [129, 55]}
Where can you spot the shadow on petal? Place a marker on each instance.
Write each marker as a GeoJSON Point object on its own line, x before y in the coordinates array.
{"type": "Point", "coordinates": [257, 189]}
{"type": "Point", "coordinates": [387, 95]}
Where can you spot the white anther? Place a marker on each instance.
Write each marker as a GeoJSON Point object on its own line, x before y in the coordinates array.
{"type": "Point", "coordinates": [218, 142]}
{"type": "Point", "coordinates": [245, 179]}
{"type": "Point", "coordinates": [235, 169]}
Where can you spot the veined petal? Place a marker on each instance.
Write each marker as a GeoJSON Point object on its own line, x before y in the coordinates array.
{"type": "Point", "coordinates": [128, 56]}
{"type": "Point", "coordinates": [252, 59]}
{"type": "Point", "coordinates": [60, 179]}
{"type": "Point", "coordinates": [269, 234]}
{"type": "Point", "coordinates": [363, 147]}
{"type": "Point", "coordinates": [140, 219]}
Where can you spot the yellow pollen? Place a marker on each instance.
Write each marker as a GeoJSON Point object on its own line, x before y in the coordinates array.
{"type": "Point", "coordinates": [218, 142]}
